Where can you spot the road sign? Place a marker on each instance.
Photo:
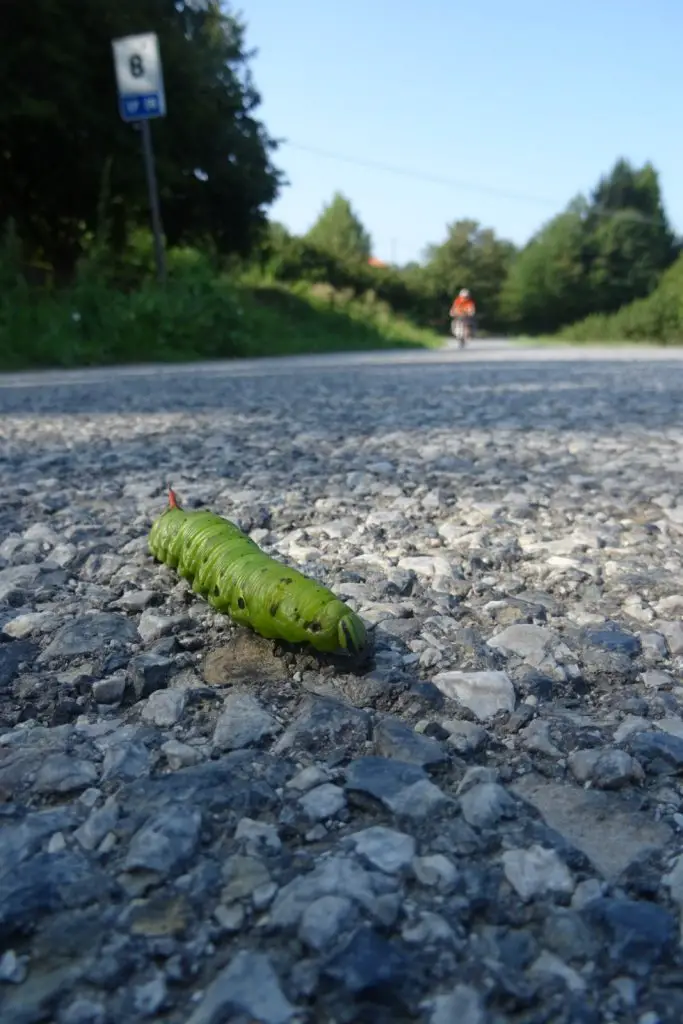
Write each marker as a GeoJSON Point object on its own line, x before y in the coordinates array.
{"type": "Point", "coordinates": [139, 77]}
{"type": "Point", "coordinates": [141, 96]}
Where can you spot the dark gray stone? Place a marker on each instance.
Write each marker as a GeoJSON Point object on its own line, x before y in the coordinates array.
{"type": "Point", "coordinates": [613, 639]}
{"type": "Point", "coordinates": [639, 934]}
{"type": "Point", "coordinates": [368, 961]}
{"type": "Point", "coordinates": [147, 673]}
{"type": "Point", "coordinates": [45, 883]}
{"type": "Point", "coordinates": [166, 842]}
{"type": "Point", "coordinates": [659, 752]}
{"type": "Point", "coordinates": [395, 738]}
{"type": "Point", "coordinates": [89, 634]}
{"type": "Point", "coordinates": [321, 723]}
{"type": "Point", "coordinates": [12, 655]}
{"type": "Point", "coordinates": [402, 788]}
{"type": "Point", "coordinates": [248, 984]}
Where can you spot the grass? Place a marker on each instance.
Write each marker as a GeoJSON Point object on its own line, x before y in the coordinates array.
{"type": "Point", "coordinates": [120, 315]}
{"type": "Point", "coordinates": [308, 318]}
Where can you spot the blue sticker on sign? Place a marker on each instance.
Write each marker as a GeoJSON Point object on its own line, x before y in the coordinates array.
{"type": "Point", "coordinates": [136, 108]}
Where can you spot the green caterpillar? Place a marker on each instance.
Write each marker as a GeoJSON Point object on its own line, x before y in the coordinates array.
{"type": "Point", "coordinates": [236, 577]}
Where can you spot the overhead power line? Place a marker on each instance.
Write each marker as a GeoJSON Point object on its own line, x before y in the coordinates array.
{"type": "Point", "coordinates": [433, 179]}
{"type": "Point", "coordinates": [470, 186]}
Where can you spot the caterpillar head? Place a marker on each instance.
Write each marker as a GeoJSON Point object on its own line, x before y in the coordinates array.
{"type": "Point", "coordinates": [351, 634]}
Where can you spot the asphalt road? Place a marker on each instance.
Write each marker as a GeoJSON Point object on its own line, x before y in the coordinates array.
{"type": "Point", "coordinates": [489, 350]}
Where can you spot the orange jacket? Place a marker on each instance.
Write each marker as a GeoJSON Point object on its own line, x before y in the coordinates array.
{"type": "Point", "coordinates": [463, 307]}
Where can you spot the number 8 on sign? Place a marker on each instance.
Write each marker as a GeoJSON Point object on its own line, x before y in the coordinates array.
{"type": "Point", "coordinates": [137, 68]}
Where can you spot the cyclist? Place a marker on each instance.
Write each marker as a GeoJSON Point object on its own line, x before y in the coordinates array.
{"type": "Point", "coordinates": [463, 304]}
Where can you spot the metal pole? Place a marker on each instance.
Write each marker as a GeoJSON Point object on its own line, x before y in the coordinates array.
{"type": "Point", "coordinates": [148, 153]}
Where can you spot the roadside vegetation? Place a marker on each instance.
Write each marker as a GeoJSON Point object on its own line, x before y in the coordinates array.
{"type": "Point", "coordinates": [76, 269]}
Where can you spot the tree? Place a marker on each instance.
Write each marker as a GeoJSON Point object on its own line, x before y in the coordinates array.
{"type": "Point", "coordinates": [546, 285]}
{"type": "Point", "coordinates": [631, 242]}
{"type": "Point", "coordinates": [601, 253]}
{"type": "Point", "coordinates": [59, 125]}
{"type": "Point", "coordinates": [340, 232]}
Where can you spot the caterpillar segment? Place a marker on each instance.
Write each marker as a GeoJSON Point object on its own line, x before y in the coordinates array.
{"type": "Point", "coordinates": [237, 578]}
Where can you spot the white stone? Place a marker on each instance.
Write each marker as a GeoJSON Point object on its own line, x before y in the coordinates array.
{"type": "Point", "coordinates": [164, 707]}
{"type": "Point", "coordinates": [484, 693]}
{"type": "Point", "coordinates": [385, 848]}
{"type": "Point", "coordinates": [528, 642]}
{"type": "Point", "coordinates": [536, 871]}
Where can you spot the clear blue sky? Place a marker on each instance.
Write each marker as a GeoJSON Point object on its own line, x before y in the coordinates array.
{"type": "Point", "coordinates": [530, 99]}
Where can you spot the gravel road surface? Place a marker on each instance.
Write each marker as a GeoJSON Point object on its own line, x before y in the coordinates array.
{"type": "Point", "coordinates": [483, 825]}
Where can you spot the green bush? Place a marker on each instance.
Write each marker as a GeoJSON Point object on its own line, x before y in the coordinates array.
{"type": "Point", "coordinates": [93, 322]}
{"type": "Point", "coordinates": [657, 318]}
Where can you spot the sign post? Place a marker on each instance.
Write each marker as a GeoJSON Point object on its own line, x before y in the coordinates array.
{"type": "Point", "coordinates": [140, 82]}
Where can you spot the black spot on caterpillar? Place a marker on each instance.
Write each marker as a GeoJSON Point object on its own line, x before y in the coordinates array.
{"type": "Point", "coordinates": [236, 577]}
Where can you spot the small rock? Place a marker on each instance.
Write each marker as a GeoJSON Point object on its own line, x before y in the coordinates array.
{"type": "Point", "coordinates": [231, 918]}
{"type": "Point", "coordinates": [89, 634]}
{"type": "Point", "coordinates": [639, 933]}
{"type": "Point", "coordinates": [435, 870]}
{"type": "Point", "coordinates": [258, 836]}
{"type": "Point", "coordinates": [566, 933]}
{"type": "Point", "coordinates": [83, 1011]}
{"type": "Point", "coordinates": [368, 961]}
{"type": "Point", "coordinates": [126, 759]}
{"type": "Point", "coordinates": [149, 997]}
{"type": "Point", "coordinates": [428, 930]}
{"type": "Point", "coordinates": [486, 804]}
{"type": "Point", "coordinates": [673, 631]}
{"type": "Point", "coordinates": [98, 824]}
{"type": "Point", "coordinates": [247, 985]}
{"type": "Point", "coordinates": [110, 690]}
{"type": "Point", "coordinates": [536, 871]}
{"type": "Point", "coordinates": [674, 881]}
{"type": "Point", "coordinates": [659, 752]}
{"type": "Point", "coordinates": [323, 802]}
{"type": "Point", "coordinates": [463, 1005]}
{"type": "Point", "coordinates": [325, 920]}
{"type": "Point", "coordinates": [180, 755]}
{"type": "Point", "coordinates": [242, 723]}
{"type": "Point", "coordinates": [528, 642]}
{"type": "Point", "coordinates": [22, 626]}
{"type": "Point", "coordinates": [166, 842]}
{"type": "Point", "coordinates": [475, 776]}
{"type": "Point", "coordinates": [244, 876]}
{"type": "Point", "coordinates": [307, 778]}
{"type": "Point", "coordinates": [613, 639]}
{"type": "Point", "coordinates": [332, 876]}
{"type": "Point", "coordinates": [60, 773]}
{"type": "Point", "coordinates": [402, 788]}
{"type": "Point", "coordinates": [549, 963]}
{"type": "Point", "coordinates": [164, 708]}
{"type": "Point", "coordinates": [322, 723]}
{"type": "Point", "coordinates": [465, 737]}
{"type": "Point", "coordinates": [13, 969]}
{"type": "Point", "coordinates": [536, 738]}
{"type": "Point", "coordinates": [137, 600]}
{"type": "Point", "coordinates": [395, 738]}
{"type": "Point", "coordinates": [606, 769]}
{"type": "Point", "coordinates": [12, 656]}
{"type": "Point", "coordinates": [148, 673]}
{"type": "Point", "coordinates": [484, 693]}
{"type": "Point", "coordinates": [153, 624]}
{"type": "Point", "coordinates": [655, 679]}
{"type": "Point", "coordinates": [384, 848]}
